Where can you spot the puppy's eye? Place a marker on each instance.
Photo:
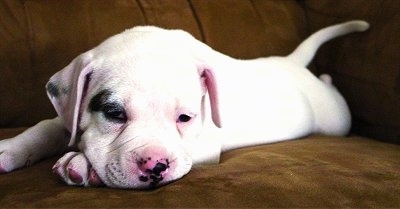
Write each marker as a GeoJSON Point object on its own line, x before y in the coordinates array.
{"type": "Point", "coordinates": [115, 113]}
{"type": "Point", "coordinates": [183, 118]}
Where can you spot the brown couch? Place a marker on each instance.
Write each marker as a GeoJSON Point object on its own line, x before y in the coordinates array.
{"type": "Point", "coordinates": [39, 37]}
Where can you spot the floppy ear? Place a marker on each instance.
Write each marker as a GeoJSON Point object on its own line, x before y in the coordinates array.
{"type": "Point", "coordinates": [209, 83]}
{"type": "Point", "coordinates": [66, 89]}
{"type": "Point", "coordinates": [204, 55]}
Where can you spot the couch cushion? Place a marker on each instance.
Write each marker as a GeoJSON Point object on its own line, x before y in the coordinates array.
{"type": "Point", "coordinates": [316, 171]}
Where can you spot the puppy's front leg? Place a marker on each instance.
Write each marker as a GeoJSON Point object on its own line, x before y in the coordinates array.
{"type": "Point", "coordinates": [45, 139]}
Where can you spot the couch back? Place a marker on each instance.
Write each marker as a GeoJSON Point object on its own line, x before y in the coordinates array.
{"type": "Point", "coordinates": [40, 37]}
{"type": "Point", "coordinates": [365, 67]}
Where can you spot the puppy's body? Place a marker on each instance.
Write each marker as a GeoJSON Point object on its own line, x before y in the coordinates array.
{"type": "Point", "coordinates": [147, 104]}
{"type": "Point", "coordinates": [297, 104]}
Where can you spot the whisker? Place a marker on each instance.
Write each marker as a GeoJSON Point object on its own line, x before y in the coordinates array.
{"type": "Point", "coordinates": [138, 147]}
{"type": "Point", "coordinates": [122, 144]}
{"type": "Point", "coordinates": [119, 134]}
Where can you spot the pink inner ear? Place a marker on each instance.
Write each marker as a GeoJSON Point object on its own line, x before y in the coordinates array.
{"type": "Point", "coordinates": [68, 104]}
{"type": "Point", "coordinates": [80, 93]}
{"type": "Point", "coordinates": [211, 85]}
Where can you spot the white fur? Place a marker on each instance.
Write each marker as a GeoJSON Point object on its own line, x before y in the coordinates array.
{"type": "Point", "coordinates": [157, 75]}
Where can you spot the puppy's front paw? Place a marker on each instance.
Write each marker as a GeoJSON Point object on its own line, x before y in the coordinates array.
{"type": "Point", "coordinates": [74, 169]}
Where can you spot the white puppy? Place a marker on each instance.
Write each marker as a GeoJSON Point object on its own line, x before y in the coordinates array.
{"type": "Point", "coordinates": [137, 107]}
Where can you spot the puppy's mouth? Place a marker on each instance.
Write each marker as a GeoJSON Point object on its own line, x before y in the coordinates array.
{"type": "Point", "coordinates": [145, 168]}
{"type": "Point", "coordinates": [140, 176]}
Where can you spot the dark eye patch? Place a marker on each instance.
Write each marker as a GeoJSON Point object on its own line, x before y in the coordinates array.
{"type": "Point", "coordinates": [100, 100]}
{"type": "Point", "coordinates": [111, 108]}
{"type": "Point", "coordinates": [114, 112]}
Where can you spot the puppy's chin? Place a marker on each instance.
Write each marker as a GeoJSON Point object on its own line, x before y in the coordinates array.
{"type": "Point", "coordinates": [126, 174]}
{"type": "Point", "coordinates": [115, 178]}
{"type": "Point", "coordinates": [137, 184]}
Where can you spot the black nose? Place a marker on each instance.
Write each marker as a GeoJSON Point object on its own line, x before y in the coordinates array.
{"type": "Point", "coordinates": [160, 167]}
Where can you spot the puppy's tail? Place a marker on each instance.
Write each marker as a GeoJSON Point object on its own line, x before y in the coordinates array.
{"type": "Point", "coordinates": [305, 52]}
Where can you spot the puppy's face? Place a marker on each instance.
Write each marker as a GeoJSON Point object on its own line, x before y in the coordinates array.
{"type": "Point", "coordinates": [137, 119]}
{"type": "Point", "coordinates": [136, 100]}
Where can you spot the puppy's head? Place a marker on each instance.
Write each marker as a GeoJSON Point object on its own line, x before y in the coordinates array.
{"type": "Point", "coordinates": [135, 101]}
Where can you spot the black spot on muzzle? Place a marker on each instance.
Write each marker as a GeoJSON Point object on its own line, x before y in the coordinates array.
{"type": "Point", "coordinates": [155, 174]}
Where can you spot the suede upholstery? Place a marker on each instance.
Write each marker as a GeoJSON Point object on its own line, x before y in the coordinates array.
{"type": "Point", "coordinates": [39, 37]}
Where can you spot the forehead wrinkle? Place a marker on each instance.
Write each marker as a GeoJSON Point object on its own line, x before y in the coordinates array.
{"type": "Point", "coordinates": [147, 83]}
